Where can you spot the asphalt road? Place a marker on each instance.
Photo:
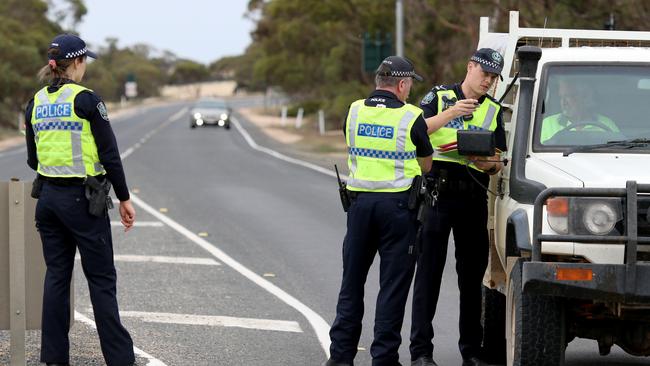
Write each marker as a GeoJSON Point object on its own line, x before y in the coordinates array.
{"type": "Point", "coordinates": [254, 243]}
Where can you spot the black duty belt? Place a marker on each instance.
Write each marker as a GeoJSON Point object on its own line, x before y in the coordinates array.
{"type": "Point", "coordinates": [67, 182]}
{"type": "Point", "coordinates": [445, 183]}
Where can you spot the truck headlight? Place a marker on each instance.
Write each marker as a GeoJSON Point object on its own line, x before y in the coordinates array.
{"type": "Point", "coordinates": [197, 115]}
{"type": "Point", "coordinates": [585, 215]}
{"type": "Point", "coordinates": [224, 116]}
{"type": "Point", "coordinates": [599, 218]}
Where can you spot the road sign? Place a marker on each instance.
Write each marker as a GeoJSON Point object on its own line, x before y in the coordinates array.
{"type": "Point", "coordinates": [131, 89]}
{"type": "Point", "coordinates": [375, 49]}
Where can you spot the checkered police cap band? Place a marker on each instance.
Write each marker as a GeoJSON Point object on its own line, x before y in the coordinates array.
{"type": "Point", "coordinates": [398, 74]}
{"type": "Point", "coordinates": [485, 62]}
{"type": "Point", "coordinates": [75, 54]}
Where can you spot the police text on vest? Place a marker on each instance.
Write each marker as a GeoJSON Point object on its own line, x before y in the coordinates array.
{"type": "Point", "coordinates": [367, 130]}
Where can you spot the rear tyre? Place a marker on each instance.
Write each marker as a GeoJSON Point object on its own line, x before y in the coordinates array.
{"type": "Point", "coordinates": [494, 326]}
{"type": "Point", "coordinates": [536, 329]}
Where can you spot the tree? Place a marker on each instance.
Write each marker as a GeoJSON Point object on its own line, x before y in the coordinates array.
{"type": "Point", "coordinates": [187, 71]}
{"type": "Point", "coordinates": [312, 49]}
{"type": "Point", "coordinates": [23, 53]}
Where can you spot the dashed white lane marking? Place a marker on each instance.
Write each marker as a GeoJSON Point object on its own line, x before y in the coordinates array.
{"type": "Point", "coordinates": [162, 259]}
{"type": "Point", "coordinates": [78, 316]}
{"type": "Point", "coordinates": [215, 321]}
{"type": "Point", "coordinates": [146, 137]}
{"type": "Point", "coordinates": [141, 223]}
{"type": "Point", "coordinates": [152, 361]}
{"type": "Point", "coordinates": [321, 327]}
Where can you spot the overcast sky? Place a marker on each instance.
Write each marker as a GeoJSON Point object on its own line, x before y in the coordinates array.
{"type": "Point", "coordinates": [200, 30]}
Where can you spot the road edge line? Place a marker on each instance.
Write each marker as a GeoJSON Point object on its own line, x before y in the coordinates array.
{"type": "Point", "coordinates": [276, 154]}
{"type": "Point", "coordinates": [320, 326]}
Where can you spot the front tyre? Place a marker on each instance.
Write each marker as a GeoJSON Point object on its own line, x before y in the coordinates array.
{"type": "Point", "coordinates": [535, 325]}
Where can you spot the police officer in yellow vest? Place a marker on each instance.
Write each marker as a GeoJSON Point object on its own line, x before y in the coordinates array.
{"type": "Point", "coordinates": [461, 206]}
{"type": "Point", "coordinates": [388, 146]}
{"type": "Point", "coordinates": [69, 140]}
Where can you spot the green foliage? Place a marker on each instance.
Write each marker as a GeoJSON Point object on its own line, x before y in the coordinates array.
{"type": "Point", "coordinates": [187, 71]}
{"type": "Point", "coordinates": [21, 53]}
{"type": "Point", "coordinates": [312, 49]}
{"type": "Point", "coordinates": [112, 69]}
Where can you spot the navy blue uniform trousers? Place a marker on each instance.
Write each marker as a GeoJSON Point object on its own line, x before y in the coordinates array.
{"type": "Point", "coordinates": [466, 215]}
{"type": "Point", "coordinates": [64, 224]}
{"type": "Point", "coordinates": [377, 222]}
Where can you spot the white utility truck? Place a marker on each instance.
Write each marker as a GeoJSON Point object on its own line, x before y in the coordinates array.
{"type": "Point", "coordinates": [570, 214]}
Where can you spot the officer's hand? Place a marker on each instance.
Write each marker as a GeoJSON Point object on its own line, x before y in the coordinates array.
{"type": "Point", "coordinates": [464, 107]}
{"type": "Point", "coordinates": [127, 213]}
{"type": "Point", "coordinates": [481, 163]}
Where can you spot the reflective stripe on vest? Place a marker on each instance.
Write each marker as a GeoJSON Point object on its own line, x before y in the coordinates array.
{"type": "Point", "coordinates": [63, 120]}
{"type": "Point", "coordinates": [484, 118]}
{"type": "Point", "coordinates": [394, 165]}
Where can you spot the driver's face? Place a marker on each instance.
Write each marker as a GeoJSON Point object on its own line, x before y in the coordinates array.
{"type": "Point", "coordinates": [574, 102]}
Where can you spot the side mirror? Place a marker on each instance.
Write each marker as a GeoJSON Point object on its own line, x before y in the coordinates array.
{"type": "Point", "coordinates": [477, 143]}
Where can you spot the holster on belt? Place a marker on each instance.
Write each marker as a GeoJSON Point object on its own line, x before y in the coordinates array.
{"type": "Point", "coordinates": [37, 186]}
{"type": "Point", "coordinates": [97, 193]}
{"type": "Point", "coordinates": [419, 199]}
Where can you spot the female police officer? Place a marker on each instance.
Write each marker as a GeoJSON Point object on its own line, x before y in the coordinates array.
{"type": "Point", "coordinates": [69, 141]}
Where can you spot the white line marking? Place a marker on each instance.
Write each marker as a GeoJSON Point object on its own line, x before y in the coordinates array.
{"type": "Point", "coordinates": [215, 321]}
{"type": "Point", "coordinates": [179, 114]}
{"type": "Point", "coordinates": [164, 259]}
{"type": "Point", "coordinates": [152, 360]}
{"type": "Point", "coordinates": [141, 223]}
{"type": "Point", "coordinates": [278, 155]}
{"type": "Point", "coordinates": [146, 137]}
{"type": "Point", "coordinates": [161, 259]}
{"type": "Point", "coordinates": [321, 327]}
{"type": "Point", "coordinates": [128, 152]}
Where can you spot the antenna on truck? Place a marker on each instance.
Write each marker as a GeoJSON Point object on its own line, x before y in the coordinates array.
{"type": "Point", "coordinates": [542, 37]}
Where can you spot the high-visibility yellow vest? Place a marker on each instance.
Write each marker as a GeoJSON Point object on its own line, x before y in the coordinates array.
{"type": "Point", "coordinates": [381, 154]}
{"type": "Point", "coordinates": [483, 118]}
{"type": "Point", "coordinates": [65, 145]}
{"type": "Point", "coordinates": [554, 124]}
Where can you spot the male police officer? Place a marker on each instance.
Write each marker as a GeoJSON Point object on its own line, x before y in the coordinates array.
{"type": "Point", "coordinates": [388, 148]}
{"type": "Point", "coordinates": [461, 206]}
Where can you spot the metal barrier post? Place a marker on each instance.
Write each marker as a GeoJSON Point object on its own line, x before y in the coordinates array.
{"type": "Point", "coordinates": [22, 268]}
{"type": "Point", "coordinates": [18, 322]}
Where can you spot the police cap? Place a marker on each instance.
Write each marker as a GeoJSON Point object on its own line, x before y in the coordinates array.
{"type": "Point", "coordinates": [490, 60]}
{"type": "Point", "coordinates": [399, 67]}
{"type": "Point", "coordinates": [70, 46]}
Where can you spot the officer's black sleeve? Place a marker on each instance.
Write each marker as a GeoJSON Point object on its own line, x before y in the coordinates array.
{"type": "Point", "coordinates": [32, 159]}
{"type": "Point", "coordinates": [87, 106]}
{"type": "Point", "coordinates": [429, 104]}
{"type": "Point", "coordinates": [500, 133]}
{"type": "Point", "coordinates": [420, 138]}
{"type": "Point", "coordinates": [344, 122]}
